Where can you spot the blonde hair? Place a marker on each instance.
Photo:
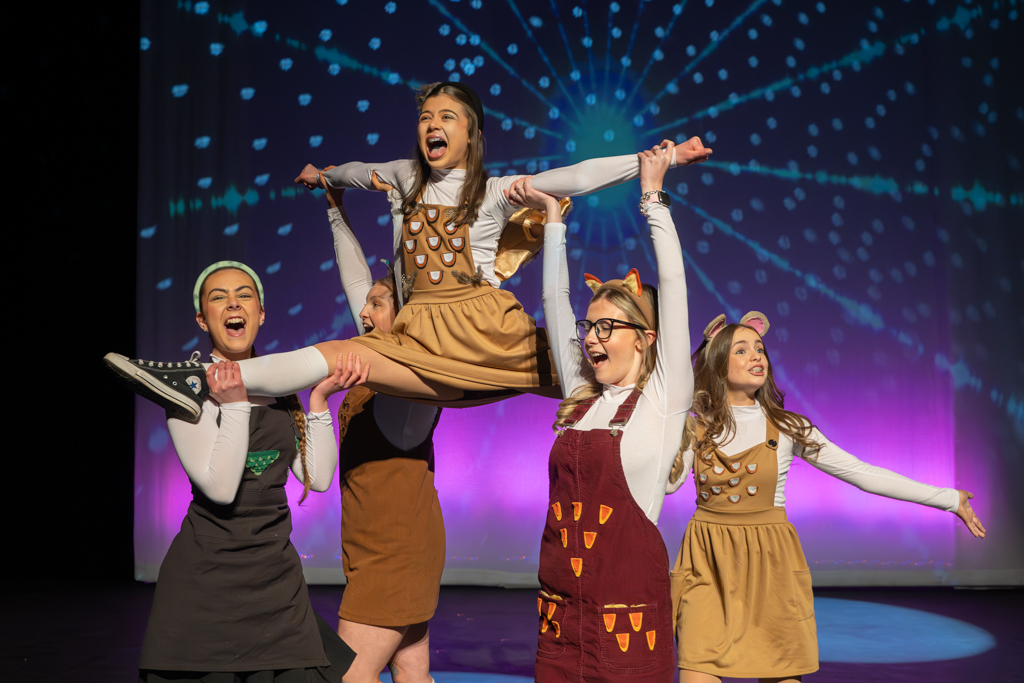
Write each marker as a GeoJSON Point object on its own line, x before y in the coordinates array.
{"type": "Point", "coordinates": [634, 315]}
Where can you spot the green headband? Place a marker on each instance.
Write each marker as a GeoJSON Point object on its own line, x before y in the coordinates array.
{"type": "Point", "coordinates": [220, 265]}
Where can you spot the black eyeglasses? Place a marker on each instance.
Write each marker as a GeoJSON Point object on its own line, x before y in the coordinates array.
{"type": "Point", "coordinates": [602, 328]}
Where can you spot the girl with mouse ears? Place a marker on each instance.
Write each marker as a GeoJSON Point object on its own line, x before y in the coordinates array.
{"type": "Point", "coordinates": [741, 586]}
{"type": "Point", "coordinates": [459, 340]}
{"type": "Point", "coordinates": [231, 603]}
{"type": "Point", "coordinates": [605, 600]}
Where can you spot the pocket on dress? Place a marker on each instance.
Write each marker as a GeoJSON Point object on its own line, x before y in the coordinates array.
{"type": "Point", "coordinates": [678, 582]}
{"type": "Point", "coordinates": [552, 610]}
{"type": "Point", "coordinates": [628, 637]}
{"type": "Point", "coordinates": [803, 595]}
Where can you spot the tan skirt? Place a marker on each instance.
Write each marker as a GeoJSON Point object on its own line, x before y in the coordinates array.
{"type": "Point", "coordinates": [475, 338]}
{"type": "Point", "coordinates": [392, 543]}
{"type": "Point", "coordinates": [742, 594]}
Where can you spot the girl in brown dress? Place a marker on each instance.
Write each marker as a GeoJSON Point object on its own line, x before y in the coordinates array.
{"type": "Point", "coordinates": [392, 532]}
{"type": "Point", "coordinates": [741, 585]}
{"type": "Point", "coordinates": [459, 337]}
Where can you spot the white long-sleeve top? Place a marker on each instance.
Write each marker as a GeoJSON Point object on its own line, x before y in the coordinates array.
{"type": "Point", "coordinates": [403, 423]}
{"type": "Point", "coordinates": [445, 185]}
{"type": "Point", "coordinates": [214, 456]}
{"type": "Point", "coordinates": [652, 437]}
{"type": "Point", "coordinates": [751, 427]}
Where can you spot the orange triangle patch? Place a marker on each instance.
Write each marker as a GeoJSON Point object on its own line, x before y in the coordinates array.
{"type": "Point", "coordinates": [558, 629]}
{"type": "Point", "coordinates": [551, 609]}
{"type": "Point", "coordinates": [636, 619]}
{"type": "Point", "coordinates": [650, 639]}
{"type": "Point", "coordinates": [609, 622]}
{"type": "Point", "coordinates": [557, 507]}
{"type": "Point", "coordinates": [606, 512]}
{"type": "Point", "coordinates": [544, 625]}
{"type": "Point", "coordinates": [540, 606]}
{"type": "Point", "coordinates": [623, 639]}
{"type": "Point", "coordinates": [589, 537]}
{"type": "Point", "coordinates": [577, 565]}
{"type": "Point", "coordinates": [565, 537]}
{"type": "Point", "coordinates": [577, 510]}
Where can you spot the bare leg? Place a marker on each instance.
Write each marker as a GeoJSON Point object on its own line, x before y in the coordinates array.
{"type": "Point", "coordinates": [794, 679]}
{"type": "Point", "coordinates": [687, 676]}
{"type": "Point", "coordinates": [387, 376]}
{"type": "Point", "coordinates": [411, 663]}
{"type": "Point", "coordinates": [374, 647]}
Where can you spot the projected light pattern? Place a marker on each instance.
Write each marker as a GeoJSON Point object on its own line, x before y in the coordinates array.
{"type": "Point", "coordinates": [864, 207]}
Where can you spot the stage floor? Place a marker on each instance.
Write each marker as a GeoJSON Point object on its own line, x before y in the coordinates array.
{"type": "Point", "coordinates": [75, 632]}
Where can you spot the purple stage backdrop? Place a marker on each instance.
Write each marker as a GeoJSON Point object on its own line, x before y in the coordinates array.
{"type": "Point", "coordinates": [866, 193]}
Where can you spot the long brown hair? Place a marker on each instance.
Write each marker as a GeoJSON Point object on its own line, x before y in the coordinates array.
{"type": "Point", "coordinates": [294, 406]}
{"type": "Point", "coordinates": [711, 408]}
{"type": "Point", "coordinates": [650, 353]}
{"type": "Point", "coordinates": [475, 187]}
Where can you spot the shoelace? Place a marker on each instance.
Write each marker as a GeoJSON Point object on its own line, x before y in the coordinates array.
{"type": "Point", "coordinates": [192, 362]}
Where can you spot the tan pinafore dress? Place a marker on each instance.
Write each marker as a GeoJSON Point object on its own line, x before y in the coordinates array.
{"type": "Point", "coordinates": [741, 586]}
{"type": "Point", "coordinates": [457, 329]}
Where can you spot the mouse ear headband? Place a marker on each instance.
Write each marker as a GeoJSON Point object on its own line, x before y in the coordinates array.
{"type": "Point", "coordinates": [631, 287]}
{"type": "Point", "coordinates": [754, 319]}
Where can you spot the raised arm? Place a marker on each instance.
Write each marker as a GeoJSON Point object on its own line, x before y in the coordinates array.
{"type": "Point", "coordinates": [356, 279]}
{"type": "Point", "coordinates": [214, 456]}
{"type": "Point", "coordinates": [321, 451]}
{"type": "Point", "coordinates": [570, 362]}
{"type": "Point", "coordinates": [671, 383]}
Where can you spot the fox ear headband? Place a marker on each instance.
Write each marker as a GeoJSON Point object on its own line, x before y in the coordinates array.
{"type": "Point", "coordinates": [631, 287]}
{"type": "Point", "coordinates": [754, 319]}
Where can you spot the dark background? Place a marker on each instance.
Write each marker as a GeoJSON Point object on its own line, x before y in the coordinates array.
{"type": "Point", "coordinates": [69, 97]}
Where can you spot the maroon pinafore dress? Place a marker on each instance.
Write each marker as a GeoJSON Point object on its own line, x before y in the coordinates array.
{"type": "Point", "coordinates": [605, 606]}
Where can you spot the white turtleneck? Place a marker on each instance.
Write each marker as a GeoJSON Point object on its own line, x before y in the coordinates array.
{"type": "Point", "coordinates": [652, 437]}
{"type": "Point", "coordinates": [445, 185]}
{"type": "Point", "coordinates": [751, 428]}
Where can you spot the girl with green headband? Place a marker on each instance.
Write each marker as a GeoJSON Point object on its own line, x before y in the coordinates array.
{"type": "Point", "coordinates": [231, 601]}
{"type": "Point", "coordinates": [459, 340]}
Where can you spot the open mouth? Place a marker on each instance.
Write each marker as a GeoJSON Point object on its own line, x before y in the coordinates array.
{"type": "Point", "coordinates": [367, 328]}
{"type": "Point", "coordinates": [598, 359]}
{"type": "Point", "coordinates": [235, 327]}
{"type": "Point", "coordinates": [436, 147]}
{"type": "Point", "coordinates": [757, 370]}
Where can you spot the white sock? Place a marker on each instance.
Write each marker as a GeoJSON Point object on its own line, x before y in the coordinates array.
{"type": "Point", "coordinates": [280, 374]}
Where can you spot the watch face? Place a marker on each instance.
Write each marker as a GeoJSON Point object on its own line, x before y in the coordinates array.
{"type": "Point", "coordinates": [664, 198]}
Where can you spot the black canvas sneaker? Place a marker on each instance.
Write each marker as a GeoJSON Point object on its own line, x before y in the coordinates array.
{"type": "Point", "coordinates": [179, 388]}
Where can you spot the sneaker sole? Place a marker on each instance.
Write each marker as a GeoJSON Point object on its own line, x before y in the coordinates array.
{"type": "Point", "coordinates": [138, 380]}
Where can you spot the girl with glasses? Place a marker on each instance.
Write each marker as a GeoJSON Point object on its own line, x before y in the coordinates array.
{"type": "Point", "coordinates": [604, 605]}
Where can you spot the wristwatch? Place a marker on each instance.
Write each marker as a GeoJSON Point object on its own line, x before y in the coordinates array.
{"type": "Point", "coordinates": [662, 196]}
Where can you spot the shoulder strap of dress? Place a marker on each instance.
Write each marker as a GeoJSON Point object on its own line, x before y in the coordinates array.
{"type": "Point", "coordinates": [771, 439]}
{"type": "Point", "coordinates": [579, 411]}
{"type": "Point", "coordinates": [625, 410]}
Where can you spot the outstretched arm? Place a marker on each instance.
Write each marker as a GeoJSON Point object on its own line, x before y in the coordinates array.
{"type": "Point", "coordinates": [835, 461]}
{"type": "Point", "coordinates": [597, 174]}
{"type": "Point", "coordinates": [214, 456]}
{"type": "Point", "coordinates": [357, 175]}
